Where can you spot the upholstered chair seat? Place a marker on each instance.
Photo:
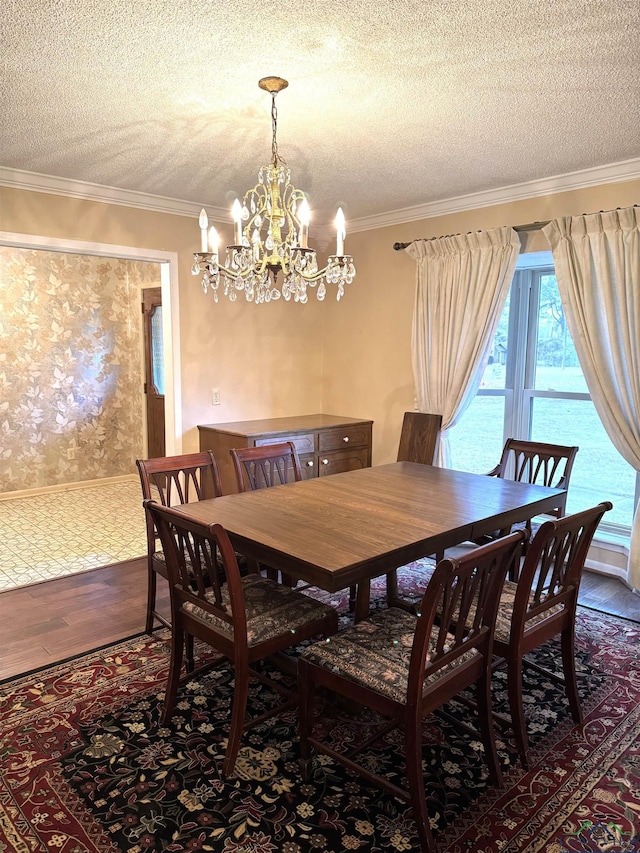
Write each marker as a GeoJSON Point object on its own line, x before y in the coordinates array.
{"type": "Point", "coordinates": [376, 653]}
{"type": "Point", "coordinates": [268, 606]}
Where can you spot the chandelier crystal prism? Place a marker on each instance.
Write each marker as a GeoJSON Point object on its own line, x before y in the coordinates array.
{"type": "Point", "coordinates": [271, 232]}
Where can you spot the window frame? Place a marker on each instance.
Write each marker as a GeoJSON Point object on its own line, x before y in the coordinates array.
{"type": "Point", "coordinates": [519, 392]}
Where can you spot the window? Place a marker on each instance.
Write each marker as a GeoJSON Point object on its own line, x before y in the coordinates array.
{"type": "Point", "coordinates": [157, 350]}
{"type": "Point", "coordinates": [533, 388]}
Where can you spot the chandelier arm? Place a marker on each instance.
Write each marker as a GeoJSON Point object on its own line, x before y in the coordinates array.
{"type": "Point", "coordinates": [261, 268]}
{"type": "Point", "coordinates": [242, 275]}
{"type": "Point", "coordinates": [343, 260]}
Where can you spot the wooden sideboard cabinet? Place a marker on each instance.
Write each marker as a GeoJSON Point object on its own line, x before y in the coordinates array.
{"type": "Point", "coordinates": [326, 444]}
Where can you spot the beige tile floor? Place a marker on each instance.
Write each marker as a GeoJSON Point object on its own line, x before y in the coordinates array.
{"type": "Point", "coordinates": [50, 535]}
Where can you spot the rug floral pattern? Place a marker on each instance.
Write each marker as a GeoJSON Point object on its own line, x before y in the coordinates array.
{"type": "Point", "coordinates": [88, 767]}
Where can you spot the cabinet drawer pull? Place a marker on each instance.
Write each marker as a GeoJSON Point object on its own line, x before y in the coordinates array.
{"type": "Point", "coordinates": [310, 463]}
{"type": "Point", "coordinates": [346, 439]}
{"type": "Point", "coordinates": [325, 461]}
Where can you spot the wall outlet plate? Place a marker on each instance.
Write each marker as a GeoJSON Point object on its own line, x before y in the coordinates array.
{"type": "Point", "coordinates": [215, 396]}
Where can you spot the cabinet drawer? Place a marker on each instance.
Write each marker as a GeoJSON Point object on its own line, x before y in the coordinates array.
{"type": "Point", "coordinates": [348, 460]}
{"type": "Point", "coordinates": [341, 438]}
{"type": "Point", "coordinates": [305, 443]}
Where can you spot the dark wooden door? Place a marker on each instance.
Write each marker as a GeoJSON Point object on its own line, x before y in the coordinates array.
{"type": "Point", "coordinates": [154, 370]}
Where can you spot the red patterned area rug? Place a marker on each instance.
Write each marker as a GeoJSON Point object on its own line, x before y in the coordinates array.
{"type": "Point", "coordinates": [87, 766]}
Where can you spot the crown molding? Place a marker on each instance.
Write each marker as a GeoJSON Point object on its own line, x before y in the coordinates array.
{"type": "Point", "coordinates": [626, 170]}
{"type": "Point", "coordinates": [39, 183]}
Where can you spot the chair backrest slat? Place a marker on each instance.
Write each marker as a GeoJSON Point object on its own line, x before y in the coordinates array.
{"type": "Point", "coordinates": [461, 601]}
{"type": "Point", "coordinates": [177, 480]}
{"type": "Point", "coordinates": [554, 562]}
{"type": "Point", "coordinates": [266, 465]}
{"type": "Point", "coordinates": [540, 464]}
{"type": "Point", "coordinates": [196, 575]}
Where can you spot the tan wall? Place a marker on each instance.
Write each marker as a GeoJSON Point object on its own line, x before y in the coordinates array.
{"type": "Point", "coordinates": [367, 337]}
{"type": "Point", "coordinates": [266, 360]}
{"type": "Point", "coordinates": [350, 358]}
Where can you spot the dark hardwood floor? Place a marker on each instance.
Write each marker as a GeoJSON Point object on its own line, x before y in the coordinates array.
{"type": "Point", "coordinates": [50, 621]}
{"type": "Point", "coordinates": [609, 595]}
{"type": "Point", "coordinates": [57, 619]}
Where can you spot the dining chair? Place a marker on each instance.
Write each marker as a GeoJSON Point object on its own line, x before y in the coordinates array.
{"type": "Point", "coordinates": [265, 466]}
{"type": "Point", "coordinates": [418, 443]}
{"type": "Point", "coordinates": [537, 463]}
{"type": "Point", "coordinates": [404, 667]}
{"type": "Point", "coordinates": [419, 437]}
{"type": "Point", "coordinates": [244, 618]}
{"type": "Point", "coordinates": [173, 480]}
{"type": "Point", "coordinates": [542, 605]}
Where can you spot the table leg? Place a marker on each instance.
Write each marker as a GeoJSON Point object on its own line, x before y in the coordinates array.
{"type": "Point", "coordinates": [362, 600]}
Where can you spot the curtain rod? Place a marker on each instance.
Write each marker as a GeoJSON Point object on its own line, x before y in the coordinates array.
{"type": "Point", "coordinates": [530, 226]}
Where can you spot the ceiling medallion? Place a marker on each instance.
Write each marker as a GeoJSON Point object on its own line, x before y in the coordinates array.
{"type": "Point", "coordinates": [271, 230]}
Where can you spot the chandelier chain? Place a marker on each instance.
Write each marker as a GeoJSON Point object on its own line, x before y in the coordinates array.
{"type": "Point", "coordinates": [275, 157]}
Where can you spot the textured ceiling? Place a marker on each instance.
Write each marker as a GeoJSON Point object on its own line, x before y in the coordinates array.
{"type": "Point", "coordinates": [389, 105]}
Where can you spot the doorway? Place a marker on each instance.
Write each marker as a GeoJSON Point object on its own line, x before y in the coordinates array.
{"type": "Point", "coordinates": [168, 320]}
{"type": "Point", "coordinates": [96, 550]}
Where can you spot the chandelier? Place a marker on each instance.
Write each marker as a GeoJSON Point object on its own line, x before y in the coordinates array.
{"type": "Point", "coordinates": [271, 230]}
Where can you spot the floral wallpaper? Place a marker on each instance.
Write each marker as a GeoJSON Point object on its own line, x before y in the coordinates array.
{"type": "Point", "coordinates": [71, 370]}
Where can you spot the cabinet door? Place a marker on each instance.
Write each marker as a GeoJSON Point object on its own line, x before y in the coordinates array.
{"type": "Point", "coordinates": [348, 460]}
{"type": "Point", "coordinates": [309, 465]}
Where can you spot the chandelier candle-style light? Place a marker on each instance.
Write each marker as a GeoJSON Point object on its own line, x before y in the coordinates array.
{"type": "Point", "coordinates": [270, 235]}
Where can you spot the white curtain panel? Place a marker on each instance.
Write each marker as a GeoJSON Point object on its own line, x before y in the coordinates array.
{"type": "Point", "coordinates": [462, 285]}
{"type": "Point", "coordinates": [597, 260]}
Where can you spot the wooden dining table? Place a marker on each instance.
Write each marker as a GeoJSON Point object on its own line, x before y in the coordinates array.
{"type": "Point", "coordinates": [342, 530]}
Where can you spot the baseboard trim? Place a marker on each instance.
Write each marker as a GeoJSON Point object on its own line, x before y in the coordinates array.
{"type": "Point", "coordinates": [67, 487]}
{"type": "Point", "coordinates": [607, 569]}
